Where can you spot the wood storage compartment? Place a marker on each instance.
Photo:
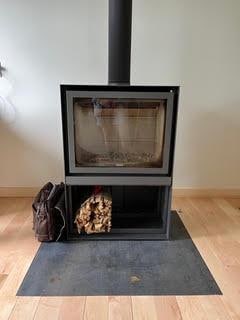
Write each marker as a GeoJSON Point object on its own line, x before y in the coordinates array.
{"type": "Point", "coordinates": [115, 209]}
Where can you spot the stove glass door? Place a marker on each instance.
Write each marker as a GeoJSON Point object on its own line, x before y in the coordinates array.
{"type": "Point", "coordinates": [119, 132]}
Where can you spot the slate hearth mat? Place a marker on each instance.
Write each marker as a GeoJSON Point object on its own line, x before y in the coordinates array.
{"type": "Point", "coordinates": [89, 268]}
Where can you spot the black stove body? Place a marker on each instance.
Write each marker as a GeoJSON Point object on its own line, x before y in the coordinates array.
{"type": "Point", "coordinates": [123, 137]}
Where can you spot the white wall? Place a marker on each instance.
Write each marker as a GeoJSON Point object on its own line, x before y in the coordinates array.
{"type": "Point", "coordinates": [195, 44]}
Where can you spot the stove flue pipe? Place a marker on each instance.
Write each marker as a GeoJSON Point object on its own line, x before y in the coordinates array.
{"type": "Point", "coordinates": [119, 42]}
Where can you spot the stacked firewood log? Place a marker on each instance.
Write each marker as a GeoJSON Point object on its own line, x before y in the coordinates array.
{"type": "Point", "coordinates": [94, 215]}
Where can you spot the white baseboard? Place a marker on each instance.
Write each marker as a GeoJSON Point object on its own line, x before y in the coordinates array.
{"type": "Point", "coordinates": [18, 192]}
{"type": "Point", "coordinates": [177, 192]}
{"type": "Point", "coordinates": [206, 192]}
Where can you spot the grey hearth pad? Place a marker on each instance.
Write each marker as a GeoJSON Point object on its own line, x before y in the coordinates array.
{"type": "Point", "coordinates": [89, 268]}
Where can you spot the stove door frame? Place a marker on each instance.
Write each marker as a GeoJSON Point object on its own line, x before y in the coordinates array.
{"type": "Point", "coordinates": [68, 129]}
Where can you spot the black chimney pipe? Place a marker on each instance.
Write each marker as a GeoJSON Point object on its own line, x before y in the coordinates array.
{"type": "Point", "coordinates": [119, 42]}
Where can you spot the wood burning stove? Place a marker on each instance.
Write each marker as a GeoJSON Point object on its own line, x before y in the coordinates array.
{"type": "Point", "coordinates": [122, 137]}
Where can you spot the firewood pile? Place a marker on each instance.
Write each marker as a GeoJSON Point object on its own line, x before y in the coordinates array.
{"type": "Point", "coordinates": [94, 215]}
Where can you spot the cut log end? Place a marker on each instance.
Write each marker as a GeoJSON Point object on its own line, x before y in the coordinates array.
{"type": "Point", "coordinates": [94, 215]}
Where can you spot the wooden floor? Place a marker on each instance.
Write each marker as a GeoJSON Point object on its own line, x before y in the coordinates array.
{"type": "Point", "coordinates": [214, 225]}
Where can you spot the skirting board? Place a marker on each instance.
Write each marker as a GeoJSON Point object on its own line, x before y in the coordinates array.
{"type": "Point", "coordinates": [18, 192]}
{"type": "Point", "coordinates": [206, 193]}
{"type": "Point", "coordinates": [177, 192]}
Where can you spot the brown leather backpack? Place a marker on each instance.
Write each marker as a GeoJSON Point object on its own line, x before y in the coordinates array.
{"type": "Point", "coordinates": [48, 213]}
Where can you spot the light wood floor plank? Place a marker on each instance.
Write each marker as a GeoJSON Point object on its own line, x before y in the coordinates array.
{"type": "Point", "coordinates": [17, 247]}
{"type": "Point", "coordinates": [235, 202]}
{"type": "Point", "coordinates": [191, 308]}
{"type": "Point", "coordinates": [72, 308]}
{"type": "Point", "coordinates": [216, 220]}
{"type": "Point", "coordinates": [230, 209]}
{"type": "Point", "coordinates": [96, 308]}
{"type": "Point", "coordinates": [3, 277]}
{"type": "Point", "coordinates": [6, 213]}
{"type": "Point", "coordinates": [223, 231]}
{"type": "Point", "coordinates": [6, 307]}
{"type": "Point", "coordinates": [120, 308]}
{"type": "Point", "coordinates": [48, 308]}
{"type": "Point", "coordinates": [144, 308]}
{"type": "Point", "coordinates": [208, 308]}
{"type": "Point", "coordinates": [25, 308]}
{"type": "Point", "coordinates": [167, 308]}
{"type": "Point", "coordinates": [214, 308]}
{"type": "Point", "coordinates": [151, 308]}
{"type": "Point", "coordinates": [207, 240]}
